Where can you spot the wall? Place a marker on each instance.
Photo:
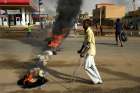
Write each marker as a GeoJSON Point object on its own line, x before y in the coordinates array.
{"type": "Point", "coordinates": [114, 12]}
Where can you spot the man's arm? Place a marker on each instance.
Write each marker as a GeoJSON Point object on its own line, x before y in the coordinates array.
{"type": "Point", "coordinates": [87, 46]}
{"type": "Point", "coordinates": [85, 50]}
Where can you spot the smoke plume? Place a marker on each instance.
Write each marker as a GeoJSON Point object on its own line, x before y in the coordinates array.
{"type": "Point", "coordinates": [67, 10]}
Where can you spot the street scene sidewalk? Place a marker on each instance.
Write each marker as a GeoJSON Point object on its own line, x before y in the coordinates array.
{"type": "Point", "coordinates": [118, 66]}
{"type": "Point", "coordinates": [40, 41]}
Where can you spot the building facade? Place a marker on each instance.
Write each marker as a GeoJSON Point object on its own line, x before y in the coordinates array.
{"type": "Point", "coordinates": [17, 12]}
{"type": "Point", "coordinates": [110, 11]}
{"type": "Point", "coordinates": [106, 14]}
{"type": "Point", "coordinates": [132, 19]}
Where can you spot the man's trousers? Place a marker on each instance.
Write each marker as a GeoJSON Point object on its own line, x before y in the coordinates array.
{"type": "Point", "coordinates": [91, 69]}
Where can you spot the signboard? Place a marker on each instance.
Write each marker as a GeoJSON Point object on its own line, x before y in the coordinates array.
{"type": "Point", "coordinates": [13, 2]}
{"type": "Point", "coordinates": [13, 12]}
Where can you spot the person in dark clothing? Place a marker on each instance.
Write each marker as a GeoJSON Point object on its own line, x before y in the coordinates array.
{"type": "Point", "coordinates": [118, 30]}
{"type": "Point", "coordinates": [101, 30]}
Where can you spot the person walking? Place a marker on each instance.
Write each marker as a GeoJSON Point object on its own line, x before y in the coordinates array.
{"type": "Point", "coordinates": [75, 28]}
{"type": "Point", "coordinates": [118, 30]}
{"type": "Point", "coordinates": [89, 52]}
{"type": "Point", "coordinates": [29, 31]}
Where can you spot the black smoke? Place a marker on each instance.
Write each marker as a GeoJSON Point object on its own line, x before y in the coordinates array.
{"type": "Point", "coordinates": [67, 11]}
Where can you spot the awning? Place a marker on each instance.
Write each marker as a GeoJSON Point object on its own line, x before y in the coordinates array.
{"type": "Point", "coordinates": [19, 3]}
{"type": "Point", "coordinates": [3, 16]}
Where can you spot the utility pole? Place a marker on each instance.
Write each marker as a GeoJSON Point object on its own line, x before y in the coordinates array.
{"type": "Point", "coordinates": [39, 4]}
{"type": "Point", "coordinates": [101, 9]}
{"type": "Point", "coordinates": [100, 16]}
{"type": "Point", "coordinates": [134, 5]}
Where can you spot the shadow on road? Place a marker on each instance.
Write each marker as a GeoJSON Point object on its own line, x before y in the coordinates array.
{"type": "Point", "coordinates": [14, 64]}
{"type": "Point", "coordinates": [35, 43]}
{"type": "Point", "coordinates": [67, 77]}
{"type": "Point", "coordinates": [108, 44]}
{"type": "Point", "coordinates": [20, 67]}
{"type": "Point", "coordinates": [85, 90]}
{"type": "Point", "coordinates": [121, 74]}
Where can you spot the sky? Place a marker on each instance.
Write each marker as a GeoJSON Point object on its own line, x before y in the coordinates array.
{"type": "Point", "coordinates": [88, 5]}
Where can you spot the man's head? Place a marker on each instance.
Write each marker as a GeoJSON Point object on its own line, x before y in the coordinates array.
{"type": "Point", "coordinates": [86, 23]}
{"type": "Point", "coordinates": [28, 24]}
{"type": "Point", "coordinates": [118, 20]}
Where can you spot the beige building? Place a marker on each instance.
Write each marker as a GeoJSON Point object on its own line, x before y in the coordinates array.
{"type": "Point", "coordinates": [109, 11]}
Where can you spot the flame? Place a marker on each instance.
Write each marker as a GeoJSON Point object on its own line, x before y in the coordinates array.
{"type": "Point", "coordinates": [57, 39]}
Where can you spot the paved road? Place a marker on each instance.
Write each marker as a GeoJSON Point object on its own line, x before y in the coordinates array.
{"type": "Point", "coordinates": [119, 67]}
